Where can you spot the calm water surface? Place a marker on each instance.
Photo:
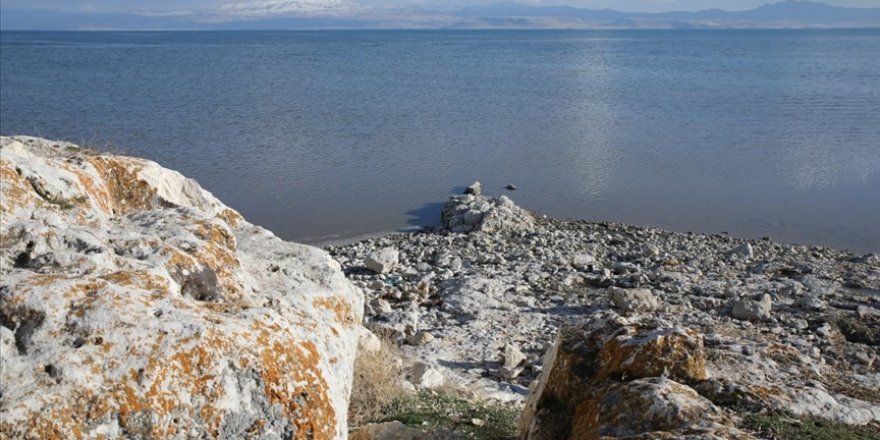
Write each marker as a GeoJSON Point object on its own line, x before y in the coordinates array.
{"type": "Point", "coordinates": [320, 135]}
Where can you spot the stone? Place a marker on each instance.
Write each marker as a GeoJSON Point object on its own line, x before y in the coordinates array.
{"type": "Point", "coordinates": [861, 329]}
{"type": "Point", "coordinates": [390, 431]}
{"type": "Point", "coordinates": [811, 303]}
{"type": "Point", "coordinates": [604, 353]}
{"type": "Point", "coordinates": [368, 341]}
{"type": "Point", "coordinates": [865, 311]}
{"type": "Point", "coordinates": [472, 217]}
{"type": "Point", "coordinates": [744, 250]}
{"type": "Point", "coordinates": [420, 338]}
{"type": "Point", "coordinates": [633, 300]}
{"type": "Point", "coordinates": [513, 361]}
{"type": "Point", "coordinates": [383, 260]}
{"type": "Point", "coordinates": [140, 306]}
{"type": "Point", "coordinates": [622, 267]}
{"type": "Point", "coordinates": [475, 189]}
{"type": "Point", "coordinates": [426, 376]}
{"type": "Point", "coordinates": [751, 310]}
{"type": "Point", "coordinates": [381, 306]}
{"type": "Point", "coordinates": [510, 187]}
{"type": "Point", "coordinates": [654, 407]}
{"type": "Point", "coordinates": [582, 261]}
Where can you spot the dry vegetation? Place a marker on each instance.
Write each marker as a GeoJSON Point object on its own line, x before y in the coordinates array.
{"type": "Point", "coordinates": [376, 388]}
{"type": "Point", "coordinates": [378, 396]}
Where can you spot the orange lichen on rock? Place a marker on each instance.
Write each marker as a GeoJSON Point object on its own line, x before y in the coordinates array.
{"type": "Point", "coordinates": [609, 359]}
{"type": "Point", "coordinates": [15, 191]}
{"type": "Point", "coordinates": [127, 192]}
{"type": "Point", "coordinates": [674, 352]}
{"type": "Point", "coordinates": [232, 218]}
{"type": "Point", "coordinates": [137, 305]}
{"type": "Point", "coordinates": [293, 379]}
{"type": "Point", "coordinates": [340, 308]}
{"type": "Point", "coordinates": [96, 191]}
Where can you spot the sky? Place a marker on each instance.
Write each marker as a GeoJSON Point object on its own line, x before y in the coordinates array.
{"type": "Point", "coordinates": [271, 7]}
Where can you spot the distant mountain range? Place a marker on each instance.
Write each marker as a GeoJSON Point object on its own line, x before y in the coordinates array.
{"type": "Point", "coordinates": [509, 15]}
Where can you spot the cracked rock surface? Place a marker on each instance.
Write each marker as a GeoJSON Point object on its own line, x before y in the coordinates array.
{"type": "Point", "coordinates": [134, 304]}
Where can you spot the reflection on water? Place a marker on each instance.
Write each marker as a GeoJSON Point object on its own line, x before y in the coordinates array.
{"type": "Point", "coordinates": [317, 135]}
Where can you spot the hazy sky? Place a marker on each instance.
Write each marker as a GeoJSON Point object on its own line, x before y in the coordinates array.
{"type": "Point", "coordinates": [281, 6]}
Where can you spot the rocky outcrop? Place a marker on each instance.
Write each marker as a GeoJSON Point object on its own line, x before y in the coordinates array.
{"type": "Point", "coordinates": [137, 305]}
{"type": "Point", "coordinates": [475, 212]}
{"type": "Point", "coordinates": [613, 377]}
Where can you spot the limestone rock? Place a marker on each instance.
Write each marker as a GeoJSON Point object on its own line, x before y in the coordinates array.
{"type": "Point", "coordinates": [475, 189]}
{"type": "Point", "coordinates": [135, 304]}
{"type": "Point", "coordinates": [597, 364]}
{"type": "Point", "coordinates": [383, 260]}
{"type": "Point", "coordinates": [582, 261]}
{"type": "Point", "coordinates": [368, 341]}
{"type": "Point", "coordinates": [744, 251]}
{"type": "Point", "coordinates": [650, 405]}
{"type": "Point", "coordinates": [420, 338]}
{"type": "Point", "coordinates": [390, 431]}
{"type": "Point", "coordinates": [748, 309]}
{"type": "Point", "coordinates": [425, 375]}
{"type": "Point", "coordinates": [632, 300]}
{"type": "Point", "coordinates": [513, 360]}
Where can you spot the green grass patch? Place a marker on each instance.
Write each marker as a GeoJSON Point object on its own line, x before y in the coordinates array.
{"type": "Point", "coordinates": [445, 411]}
{"type": "Point", "coordinates": [784, 427]}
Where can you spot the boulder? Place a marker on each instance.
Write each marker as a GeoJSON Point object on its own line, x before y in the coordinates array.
{"type": "Point", "coordinates": [651, 406]}
{"type": "Point", "coordinates": [582, 261]}
{"type": "Point", "coordinates": [743, 251]}
{"type": "Point", "coordinates": [135, 304]}
{"type": "Point", "coordinates": [608, 359]}
{"type": "Point", "coordinates": [751, 310]}
{"type": "Point", "coordinates": [475, 189]}
{"type": "Point", "coordinates": [424, 375]}
{"type": "Point", "coordinates": [390, 431]}
{"type": "Point", "coordinates": [383, 260]}
{"type": "Point", "coordinates": [368, 341]}
{"type": "Point", "coordinates": [632, 300]}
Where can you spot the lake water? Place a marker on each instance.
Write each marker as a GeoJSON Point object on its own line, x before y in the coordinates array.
{"type": "Point", "coordinates": [323, 135]}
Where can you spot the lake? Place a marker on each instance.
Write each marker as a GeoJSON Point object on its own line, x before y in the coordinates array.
{"type": "Point", "coordinates": [332, 134]}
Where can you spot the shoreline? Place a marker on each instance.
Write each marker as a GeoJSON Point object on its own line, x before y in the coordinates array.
{"type": "Point", "coordinates": [493, 275]}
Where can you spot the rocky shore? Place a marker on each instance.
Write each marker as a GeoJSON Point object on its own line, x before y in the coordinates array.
{"type": "Point", "coordinates": [479, 302]}
{"type": "Point", "coordinates": [134, 304]}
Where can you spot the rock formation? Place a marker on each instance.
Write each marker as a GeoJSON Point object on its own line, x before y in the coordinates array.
{"type": "Point", "coordinates": [611, 377]}
{"type": "Point", "coordinates": [137, 305]}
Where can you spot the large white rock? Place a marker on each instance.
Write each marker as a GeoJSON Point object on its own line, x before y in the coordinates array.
{"type": "Point", "coordinates": [383, 260]}
{"type": "Point", "coordinates": [631, 300]}
{"type": "Point", "coordinates": [749, 309]}
{"type": "Point", "coordinates": [424, 375]}
{"type": "Point", "coordinates": [135, 304]}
